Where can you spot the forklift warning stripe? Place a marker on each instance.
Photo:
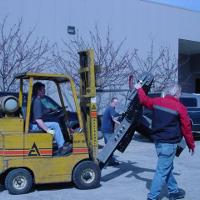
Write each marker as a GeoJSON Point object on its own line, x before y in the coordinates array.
{"type": "Point", "coordinates": [93, 114]}
{"type": "Point", "coordinates": [21, 152]}
{"type": "Point", "coordinates": [80, 150]}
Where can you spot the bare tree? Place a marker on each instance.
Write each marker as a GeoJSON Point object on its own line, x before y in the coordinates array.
{"type": "Point", "coordinates": [113, 63]}
{"type": "Point", "coordinates": [116, 65]}
{"type": "Point", "coordinates": [163, 65]}
{"type": "Point", "coordinates": [19, 53]}
{"type": "Point", "coordinates": [112, 60]}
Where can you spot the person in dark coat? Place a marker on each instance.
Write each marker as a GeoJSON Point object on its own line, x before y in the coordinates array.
{"type": "Point", "coordinates": [170, 123]}
{"type": "Point", "coordinates": [108, 124]}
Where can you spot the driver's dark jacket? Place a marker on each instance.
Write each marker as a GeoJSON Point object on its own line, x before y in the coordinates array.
{"type": "Point", "coordinates": [38, 110]}
{"type": "Point", "coordinates": [170, 119]}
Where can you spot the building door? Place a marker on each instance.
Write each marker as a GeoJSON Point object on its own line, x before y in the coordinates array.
{"type": "Point", "coordinates": [197, 85]}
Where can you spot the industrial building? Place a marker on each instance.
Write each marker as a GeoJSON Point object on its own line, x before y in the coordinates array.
{"type": "Point", "coordinates": [138, 21]}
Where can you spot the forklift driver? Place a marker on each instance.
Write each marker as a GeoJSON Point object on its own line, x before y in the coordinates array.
{"type": "Point", "coordinates": [38, 123]}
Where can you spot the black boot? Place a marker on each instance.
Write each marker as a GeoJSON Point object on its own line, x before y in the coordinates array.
{"type": "Point", "coordinates": [113, 162]}
{"type": "Point", "coordinates": [178, 195]}
{"type": "Point", "coordinates": [64, 150]}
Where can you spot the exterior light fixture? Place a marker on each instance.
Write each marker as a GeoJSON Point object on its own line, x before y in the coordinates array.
{"type": "Point", "coordinates": [71, 30]}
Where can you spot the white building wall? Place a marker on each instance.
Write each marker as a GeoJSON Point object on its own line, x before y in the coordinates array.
{"type": "Point", "coordinates": [138, 21]}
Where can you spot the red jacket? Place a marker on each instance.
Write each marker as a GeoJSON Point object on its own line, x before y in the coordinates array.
{"type": "Point", "coordinates": [165, 118]}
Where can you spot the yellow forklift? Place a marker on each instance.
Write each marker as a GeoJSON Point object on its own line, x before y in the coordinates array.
{"type": "Point", "coordinates": [27, 157]}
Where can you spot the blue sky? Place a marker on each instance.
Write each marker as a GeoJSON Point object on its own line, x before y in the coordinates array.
{"type": "Point", "coordinates": [188, 4]}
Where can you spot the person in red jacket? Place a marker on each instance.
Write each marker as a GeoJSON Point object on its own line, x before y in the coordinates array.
{"type": "Point", "coordinates": [170, 123]}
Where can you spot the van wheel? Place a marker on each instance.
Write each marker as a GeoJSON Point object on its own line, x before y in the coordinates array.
{"type": "Point", "coordinates": [19, 181]}
{"type": "Point", "coordinates": [86, 175]}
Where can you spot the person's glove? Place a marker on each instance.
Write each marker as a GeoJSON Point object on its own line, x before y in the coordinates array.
{"type": "Point", "coordinates": [121, 117]}
{"type": "Point", "coordinates": [137, 86]}
{"type": "Point", "coordinates": [191, 151]}
{"type": "Point", "coordinates": [52, 132]}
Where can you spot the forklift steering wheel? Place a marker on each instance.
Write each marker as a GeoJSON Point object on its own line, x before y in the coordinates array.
{"type": "Point", "coordinates": [56, 112]}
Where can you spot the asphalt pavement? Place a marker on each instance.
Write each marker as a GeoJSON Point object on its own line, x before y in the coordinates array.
{"type": "Point", "coordinates": [129, 181]}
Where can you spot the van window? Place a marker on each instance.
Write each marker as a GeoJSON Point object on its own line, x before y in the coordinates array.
{"type": "Point", "coordinates": [189, 102]}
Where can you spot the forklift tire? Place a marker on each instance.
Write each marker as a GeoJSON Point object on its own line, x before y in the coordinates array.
{"type": "Point", "coordinates": [19, 181]}
{"type": "Point", "coordinates": [86, 175]}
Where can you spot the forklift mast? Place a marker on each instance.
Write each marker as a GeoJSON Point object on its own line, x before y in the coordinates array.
{"type": "Point", "coordinates": [88, 100]}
